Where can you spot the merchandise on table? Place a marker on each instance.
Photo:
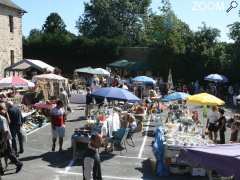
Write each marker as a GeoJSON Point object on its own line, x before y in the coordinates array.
{"type": "Point", "coordinates": [175, 136]}
{"type": "Point", "coordinates": [32, 120]}
{"type": "Point", "coordinates": [104, 122]}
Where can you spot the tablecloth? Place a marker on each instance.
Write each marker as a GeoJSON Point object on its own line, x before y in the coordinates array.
{"type": "Point", "coordinates": [225, 159]}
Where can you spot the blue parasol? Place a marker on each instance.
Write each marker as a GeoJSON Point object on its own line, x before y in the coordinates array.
{"type": "Point", "coordinates": [176, 96]}
{"type": "Point", "coordinates": [112, 93]}
{"type": "Point", "coordinates": [216, 78]}
{"type": "Point", "coordinates": [144, 79]}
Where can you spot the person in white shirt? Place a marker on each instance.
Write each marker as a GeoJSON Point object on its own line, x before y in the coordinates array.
{"type": "Point", "coordinates": [212, 123]}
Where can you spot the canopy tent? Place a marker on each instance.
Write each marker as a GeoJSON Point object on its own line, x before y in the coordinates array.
{"type": "Point", "coordinates": [101, 71]}
{"type": "Point", "coordinates": [205, 99]}
{"type": "Point", "coordinates": [176, 96]}
{"type": "Point", "coordinates": [50, 84]}
{"type": "Point", "coordinates": [121, 64]}
{"type": "Point", "coordinates": [115, 94]}
{"type": "Point", "coordinates": [87, 70]}
{"type": "Point", "coordinates": [144, 79]}
{"type": "Point", "coordinates": [28, 63]}
{"type": "Point", "coordinates": [225, 159]}
{"type": "Point", "coordinates": [94, 71]}
{"type": "Point", "coordinates": [16, 82]}
{"type": "Point", "coordinates": [49, 77]}
{"type": "Point", "coordinates": [216, 78]}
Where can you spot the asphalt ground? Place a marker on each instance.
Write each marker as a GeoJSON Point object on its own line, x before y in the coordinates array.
{"type": "Point", "coordinates": [42, 164]}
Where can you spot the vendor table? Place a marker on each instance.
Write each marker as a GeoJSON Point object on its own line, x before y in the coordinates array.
{"type": "Point", "coordinates": [170, 139]}
{"type": "Point", "coordinates": [26, 114]}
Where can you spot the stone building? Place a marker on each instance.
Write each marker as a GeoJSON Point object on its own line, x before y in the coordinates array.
{"type": "Point", "coordinates": [10, 34]}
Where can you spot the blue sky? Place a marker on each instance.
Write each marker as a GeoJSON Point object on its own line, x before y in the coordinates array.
{"type": "Point", "coordinates": [193, 12]}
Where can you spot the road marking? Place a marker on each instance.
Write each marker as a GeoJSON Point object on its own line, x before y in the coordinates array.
{"type": "Point", "coordinates": [144, 141]}
{"type": "Point", "coordinates": [67, 169]}
{"type": "Point", "coordinates": [37, 129]}
{"type": "Point", "coordinates": [129, 157]}
{"type": "Point", "coordinates": [105, 177]}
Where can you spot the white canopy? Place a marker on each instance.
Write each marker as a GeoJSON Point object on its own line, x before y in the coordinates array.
{"type": "Point", "coordinates": [101, 71]}
{"type": "Point", "coordinates": [93, 71]}
{"type": "Point", "coordinates": [27, 63]}
{"type": "Point", "coordinates": [49, 77]}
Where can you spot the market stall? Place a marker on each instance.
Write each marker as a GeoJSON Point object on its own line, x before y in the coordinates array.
{"type": "Point", "coordinates": [173, 136]}
{"type": "Point", "coordinates": [28, 68]}
{"type": "Point", "coordinates": [104, 120]}
{"type": "Point", "coordinates": [179, 131]}
{"type": "Point", "coordinates": [50, 85]}
{"type": "Point", "coordinates": [225, 159]}
{"type": "Point", "coordinates": [15, 82]}
{"type": "Point", "coordinates": [143, 85]}
{"type": "Point", "coordinates": [33, 120]}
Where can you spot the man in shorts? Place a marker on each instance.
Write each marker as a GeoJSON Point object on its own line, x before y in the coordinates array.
{"type": "Point", "coordinates": [58, 118]}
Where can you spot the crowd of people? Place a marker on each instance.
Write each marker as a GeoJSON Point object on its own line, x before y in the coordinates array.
{"type": "Point", "coordinates": [11, 119]}
{"type": "Point", "coordinates": [10, 127]}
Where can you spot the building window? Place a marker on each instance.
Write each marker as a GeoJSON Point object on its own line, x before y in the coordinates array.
{"type": "Point", "coordinates": [12, 56]}
{"type": "Point", "coordinates": [11, 23]}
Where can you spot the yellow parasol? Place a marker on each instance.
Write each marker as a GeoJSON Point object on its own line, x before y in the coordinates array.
{"type": "Point", "coordinates": [205, 99]}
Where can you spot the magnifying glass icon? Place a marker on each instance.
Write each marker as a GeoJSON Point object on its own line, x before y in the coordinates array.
{"type": "Point", "coordinates": [233, 5]}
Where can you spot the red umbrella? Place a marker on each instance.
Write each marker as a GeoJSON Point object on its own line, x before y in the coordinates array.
{"type": "Point", "coordinates": [15, 81]}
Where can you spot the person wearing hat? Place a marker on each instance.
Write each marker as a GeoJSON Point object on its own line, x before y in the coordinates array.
{"type": "Point", "coordinates": [91, 159]}
{"type": "Point", "coordinates": [222, 126]}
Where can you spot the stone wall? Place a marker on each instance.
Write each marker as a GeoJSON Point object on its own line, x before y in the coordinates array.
{"type": "Point", "coordinates": [8, 40]}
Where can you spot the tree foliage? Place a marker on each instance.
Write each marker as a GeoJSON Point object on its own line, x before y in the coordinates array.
{"type": "Point", "coordinates": [107, 25]}
{"type": "Point", "coordinates": [54, 24]}
{"type": "Point", "coordinates": [110, 18]}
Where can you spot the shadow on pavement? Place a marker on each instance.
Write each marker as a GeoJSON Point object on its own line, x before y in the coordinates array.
{"type": "Point", "coordinates": [55, 159]}
{"type": "Point", "coordinates": [147, 170]}
{"type": "Point", "coordinates": [104, 156]}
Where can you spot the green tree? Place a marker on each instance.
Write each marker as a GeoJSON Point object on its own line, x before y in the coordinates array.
{"type": "Point", "coordinates": [110, 18]}
{"type": "Point", "coordinates": [234, 50]}
{"type": "Point", "coordinates": [235, 31]}
{"type": "Point", "coordinates": [54, 24]}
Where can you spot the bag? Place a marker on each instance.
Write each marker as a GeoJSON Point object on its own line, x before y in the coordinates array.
{"type": "Point", "coordinates": [24, 135]}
